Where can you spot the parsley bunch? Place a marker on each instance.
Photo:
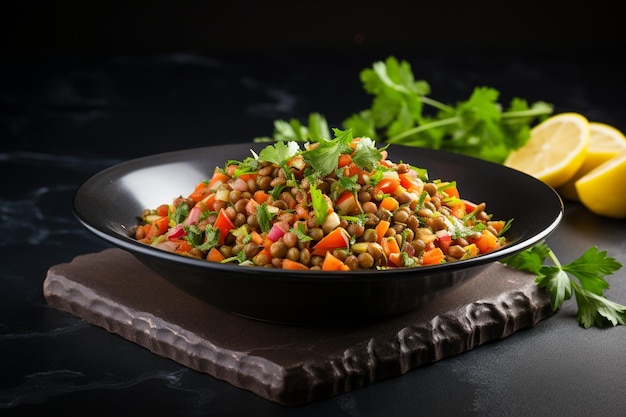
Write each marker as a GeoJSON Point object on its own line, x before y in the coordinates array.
{"type": "Point", "coordinates": [403, 112]}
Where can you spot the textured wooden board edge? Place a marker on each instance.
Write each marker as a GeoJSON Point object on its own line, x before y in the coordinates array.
{"type": "Point", "coordinates": [284, 364]}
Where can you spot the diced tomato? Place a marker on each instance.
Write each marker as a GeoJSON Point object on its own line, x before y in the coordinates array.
{"type": "Point", "coordinates": [224, 224]}
{"type": "Point", "coordinates": [351, 170]}
{"type": "Point", "coordinates": [469, 206]}
{"type": "Point", "coordinates": [217, 179]}
{"type": "Point", "coordinates": [344, 159]}
{"type": "Point", "coordinates": [347, 203]}
{"type": "Point", "coordinates": [163, 210]}
{"type": "Point", "coordinates": [444, 240]}
{"type": "Point", "coordinates": [411, 182]}
{"type": "Point", "coordinates": [387, 185]}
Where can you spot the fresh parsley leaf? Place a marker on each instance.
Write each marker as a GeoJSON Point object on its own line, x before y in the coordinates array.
{"type": "Point", "coordinates": [366, 155]}
{"type": "Point", "coordinates": [300, 232]}
{"type": "Point", "coordinates": [319, 203]}
{"type": "Point", "coordinates": [264, 217]}
{"type": "Point", "coordinates": [203, 240]}
{"type": "Point", "coordinates": [279, 153]}
{"type": "Point", "coordinates": [323, 158]}
{"type": "Point", "coordinates": [583, 277]}
{"type": "Point", "coordinates": [180, 213]}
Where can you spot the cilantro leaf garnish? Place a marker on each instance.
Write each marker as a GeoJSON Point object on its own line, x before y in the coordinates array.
{"type": "Point", "coordinates": [264, 217]}
{"type": "Point", "coordinates": [279, 153]}
{"type": "Point", "coordinates": [205, 239]}
{"type": "Point", "coordinates": [300, 232]}
{"type": "Point", "coordinates": [323, 157]}
{"type": "Point", "coordinates": [319, 203]}
{"type": "Point", "coordinates": [583, 277]}
{"type": "Point", "coordinates": [366, 154]}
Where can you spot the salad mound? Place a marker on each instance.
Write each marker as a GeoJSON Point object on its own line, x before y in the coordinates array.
{"type": "Point", "coordinates": [337, 205]}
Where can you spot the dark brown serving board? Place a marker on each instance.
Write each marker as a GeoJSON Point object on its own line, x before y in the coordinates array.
{"type": "Point", "coordinates": [290, 365]}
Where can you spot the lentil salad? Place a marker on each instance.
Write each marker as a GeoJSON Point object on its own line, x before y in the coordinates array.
{"type": "Point", "coordinates": [337, 204]}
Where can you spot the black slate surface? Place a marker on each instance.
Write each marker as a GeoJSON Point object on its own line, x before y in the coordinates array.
{"type": "Point", "coordinates": [289, 365]}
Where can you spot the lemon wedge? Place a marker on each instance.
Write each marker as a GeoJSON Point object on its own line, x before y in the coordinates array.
{"type": "Point", "coordinates": [605, 142]}
{"type": "Point", "coordinates": [555, 149]}
{"type": "Point", "coordinates": [603, 189]}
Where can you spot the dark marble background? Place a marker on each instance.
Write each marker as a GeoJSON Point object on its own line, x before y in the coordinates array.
{"type": "Point", "coordinates": [80, 92]}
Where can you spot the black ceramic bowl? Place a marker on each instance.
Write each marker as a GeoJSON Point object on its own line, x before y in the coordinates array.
{"type": "Point", "coordinates": [110, 202]}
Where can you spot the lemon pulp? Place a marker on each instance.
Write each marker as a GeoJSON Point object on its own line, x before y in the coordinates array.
{"type": "Point", "coordinates": [603, 189]}
{"type": "Point", "coordinates": [605, 142]}
{"type": "Point", "coordinates": [555, 149]}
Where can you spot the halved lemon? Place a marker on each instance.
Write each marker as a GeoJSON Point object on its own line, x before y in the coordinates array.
{"type": "Point", "coordinates": [605, 142]}
{"type": "Point", "coordinates": [555, 150]}
{"type": "Point", "coordinates": [603, 189]}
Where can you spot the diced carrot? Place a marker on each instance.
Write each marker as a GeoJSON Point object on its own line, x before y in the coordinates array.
{"type": "Point", "coordinates": [395, 259]}
{"type": "Point", "coordinates": [336, 239]}
{"type": "Point", "coordinates": [184, 246]}
{"type": "Point", "coordinates": [498, 225]}
{"type": "Point", "coordinates": [263, 257]}
{"type": "Point", "coordinates": [390, 245]}
{"type": "Point", "coordinates": [156, 228]}
{"type": "Point", "coordinates": [471, 250]}
{"type": "Point", "coordinates": [161, 225]}
{"type": "Point", "coordinates": [293, 265]}
{"type": "Point", "coordinates": [257, 238]}
{"type": "Point", "coordinates": [332, 263]}
{"type": "Point", "coordinates": [208, 201]}
{"type": "Point", "coordinates": [486, 242]}
{"type": "Point", "coordinates": [381, 229]}
{"type": "Point", "coordinates": [200, 192]}
{"type": "Point", "coordinates": [449, 189]}
{"type": "Point", "coordinates": [248, 176]}
{"type": "Point", "coordinates": [458, 210]}
{"type": "Point", "coordinates": [389, 203]}
{"type": "Point", "coordinates": [267, 242]}
{"type": "Point", "coordinates": [432, 257]}
{"type": "Point", "coordinates": [215, 255]}
{"type": "Point", "coordinates": [260, 196]}
{"type": "Point", "coordinates": [217, 179]}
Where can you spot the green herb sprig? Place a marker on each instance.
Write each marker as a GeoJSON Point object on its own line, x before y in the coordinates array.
{"type": "Point", "coordinates": [583, 277]}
